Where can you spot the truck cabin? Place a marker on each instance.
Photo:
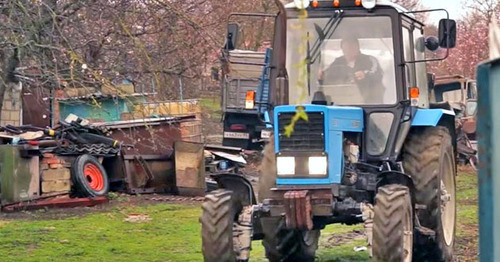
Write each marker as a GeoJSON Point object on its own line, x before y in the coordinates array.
{"type": "Point", "coordinates": [457, 91]}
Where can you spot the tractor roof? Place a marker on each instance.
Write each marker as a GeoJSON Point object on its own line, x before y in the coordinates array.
{"type": "Point", "coordinates": [379, 3]}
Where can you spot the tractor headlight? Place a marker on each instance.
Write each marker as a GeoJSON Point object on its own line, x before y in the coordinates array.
{"type": "Point", "coordinates": [302, 4]}
{"type": "Point", "coordinates": [369, 4]}
{"type": "Point", "coordinates": [285, 165]}
{"type": "Point", "coordinates": [318, 165]}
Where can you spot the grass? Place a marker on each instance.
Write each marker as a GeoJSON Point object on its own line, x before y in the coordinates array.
{"type": "Point", "coordinates": [171, 232]}
{"type": "Point", "coordinates": [467, 217]}
{"type": "Point", "coordinates": [211, 105]}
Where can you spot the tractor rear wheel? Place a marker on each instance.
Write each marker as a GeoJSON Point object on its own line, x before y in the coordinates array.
{"type": "Point", "coordinates": [218, 216]}
{"type": "Point", "coordinates": [393, 224]}
{"type": "Point", "coordinates": [429, 158]}
{"type": "Point", "coordinates": [289, 245]}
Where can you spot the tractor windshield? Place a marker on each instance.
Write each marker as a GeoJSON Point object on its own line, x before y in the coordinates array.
{"type": "Point", "coordinates": [353, 65]}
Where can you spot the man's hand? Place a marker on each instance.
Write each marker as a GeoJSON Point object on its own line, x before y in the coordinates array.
{"type": "Point", "coordinates": [360, 75]}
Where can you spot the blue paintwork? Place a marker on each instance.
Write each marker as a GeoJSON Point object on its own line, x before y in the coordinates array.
{"type": "Point", "coordinates": [429, 117]}
{"type": "Point", "coordinates": [267, 118]}
{"type": "Point", "coordinates": [488, 82]}
{"type": "Point", "coordinates": [263, 89]}
{"type": "Point", "coordinates": [337, 120]}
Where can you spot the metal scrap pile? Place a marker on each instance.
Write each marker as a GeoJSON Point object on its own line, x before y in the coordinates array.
{"type": "Point", "coordinates": [74, 138]}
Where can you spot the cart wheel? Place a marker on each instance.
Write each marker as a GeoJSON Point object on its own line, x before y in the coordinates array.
{"type": "Point", "coordinates": [89, 177]}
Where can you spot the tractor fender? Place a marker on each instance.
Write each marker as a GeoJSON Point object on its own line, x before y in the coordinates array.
{"type": "Point", "coordinates": [436, 117]}
{"type": "Point", "coordinates": [432, 117]}
{"type": "Point", "coordinates": [241, 187]}
{"type": "Point", "coordinates": [394, 177]}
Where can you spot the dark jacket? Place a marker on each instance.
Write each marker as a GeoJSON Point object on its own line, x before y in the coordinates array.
{"type": "Point", "coordinates": [339, 73]}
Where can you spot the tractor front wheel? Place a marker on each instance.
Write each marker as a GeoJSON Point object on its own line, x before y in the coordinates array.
{"type": "Point", "coordinates": [289, 245]}
{"type": "Point", "coordinates": [217, 220]}
{"type": "Point", "coordinates": [393, 225]}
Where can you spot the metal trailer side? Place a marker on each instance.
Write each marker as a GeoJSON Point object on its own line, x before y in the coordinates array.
{"type": "Point", "coordinates": [489, 158]}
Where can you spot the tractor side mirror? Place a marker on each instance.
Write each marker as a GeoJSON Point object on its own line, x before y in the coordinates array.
{"type": "Point", "coordinates": [447, 33]}
{"type": "Point", "coordinates": [232, 36]}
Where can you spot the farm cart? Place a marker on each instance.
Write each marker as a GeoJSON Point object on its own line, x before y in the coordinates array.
{"type": "Point", "coordinates": [39, 164]}
{"type": "Point", "coordinates": [362, 144]}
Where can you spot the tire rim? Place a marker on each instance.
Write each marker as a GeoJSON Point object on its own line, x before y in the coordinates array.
{"type": "Point", "coordinates": [93, 176]}
{"type": "Point", "coordinates": [448, 201]}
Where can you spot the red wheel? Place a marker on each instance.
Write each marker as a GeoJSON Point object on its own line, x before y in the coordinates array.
{"type": "Point", "coordinates": [94, 176]}
{"type": "Point", "coordinates": [89, 177]}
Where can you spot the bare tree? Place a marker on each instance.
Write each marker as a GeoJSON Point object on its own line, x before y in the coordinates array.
{"type": "Point", "coordinates": [487, 9]}
{"type": "Point", "coordinates": [472, 45]}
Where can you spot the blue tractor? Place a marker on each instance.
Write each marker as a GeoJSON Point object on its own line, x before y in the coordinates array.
{"type": "Point", "coordinates": [356, 139]}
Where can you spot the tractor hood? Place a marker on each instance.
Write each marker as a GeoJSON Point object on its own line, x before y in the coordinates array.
{"type": "Point", "coordinates": [318, 132]}
{"type": "Point", "coordinates": [337, 118]}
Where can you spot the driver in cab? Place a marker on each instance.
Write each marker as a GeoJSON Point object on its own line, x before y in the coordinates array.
{"type": "Point", "coordinates": [353, 68]}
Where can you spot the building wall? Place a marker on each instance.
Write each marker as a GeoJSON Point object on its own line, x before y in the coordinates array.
{"type": "Point", "coordinates": [11, 111]}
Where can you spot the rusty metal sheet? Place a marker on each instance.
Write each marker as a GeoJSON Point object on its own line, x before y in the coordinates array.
{"type": "Point", "coordinates": [55, 203]}
{"type": "Point", "coordinates": [148, 165]}
{"type": "Point", "coordinates": [320, 200]}
{"type": "Point", "coordinates": [190, 168]}
{"type": "Point", "coordinates": [298, 211]}
{"type": "Point", "coordinates": [152, 174]}
{"type": "Point", "coordinates": [148, 139]}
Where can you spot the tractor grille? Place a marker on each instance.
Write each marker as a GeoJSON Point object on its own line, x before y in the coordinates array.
{"type": "Point", "coordinates": [307, 135]}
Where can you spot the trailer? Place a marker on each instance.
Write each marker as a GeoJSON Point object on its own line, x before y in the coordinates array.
{"type": "Point", "coordinates": [245, 89]}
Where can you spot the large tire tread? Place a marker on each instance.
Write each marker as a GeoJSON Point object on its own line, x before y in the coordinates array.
{"type": "Point", "coordinates": [217, 226]}
{"type": "Point", "coordinates": [392, 203]}
{"type": "Point", "coordinates": [289, 245]}
{"type": "Point", "coordinates": [423, 155]}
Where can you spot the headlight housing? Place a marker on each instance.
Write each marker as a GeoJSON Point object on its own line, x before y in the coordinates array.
{"type": "Point", "coordinates": [285, 165]}
{"type": "Point", "coordinates": [302, 4]}
{"type": "Point", "coordinates": [302, 165]}
{"type": "Point", "coordinates": [369, 4]}
{"type": "Point", "coordinates": [318, 165]}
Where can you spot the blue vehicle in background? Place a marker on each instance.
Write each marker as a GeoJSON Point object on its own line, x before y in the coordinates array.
{"type": "Point", "coordinates": [355, 139]}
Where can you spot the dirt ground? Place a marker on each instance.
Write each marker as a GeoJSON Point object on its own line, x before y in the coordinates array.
{"type": "Point", "coordinates": [115, 200]}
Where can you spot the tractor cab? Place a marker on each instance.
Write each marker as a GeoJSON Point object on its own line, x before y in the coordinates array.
{"type": "Point", "coordinates": [365, 54]}
{"type": "Point", "coordinates": [356, 139]}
